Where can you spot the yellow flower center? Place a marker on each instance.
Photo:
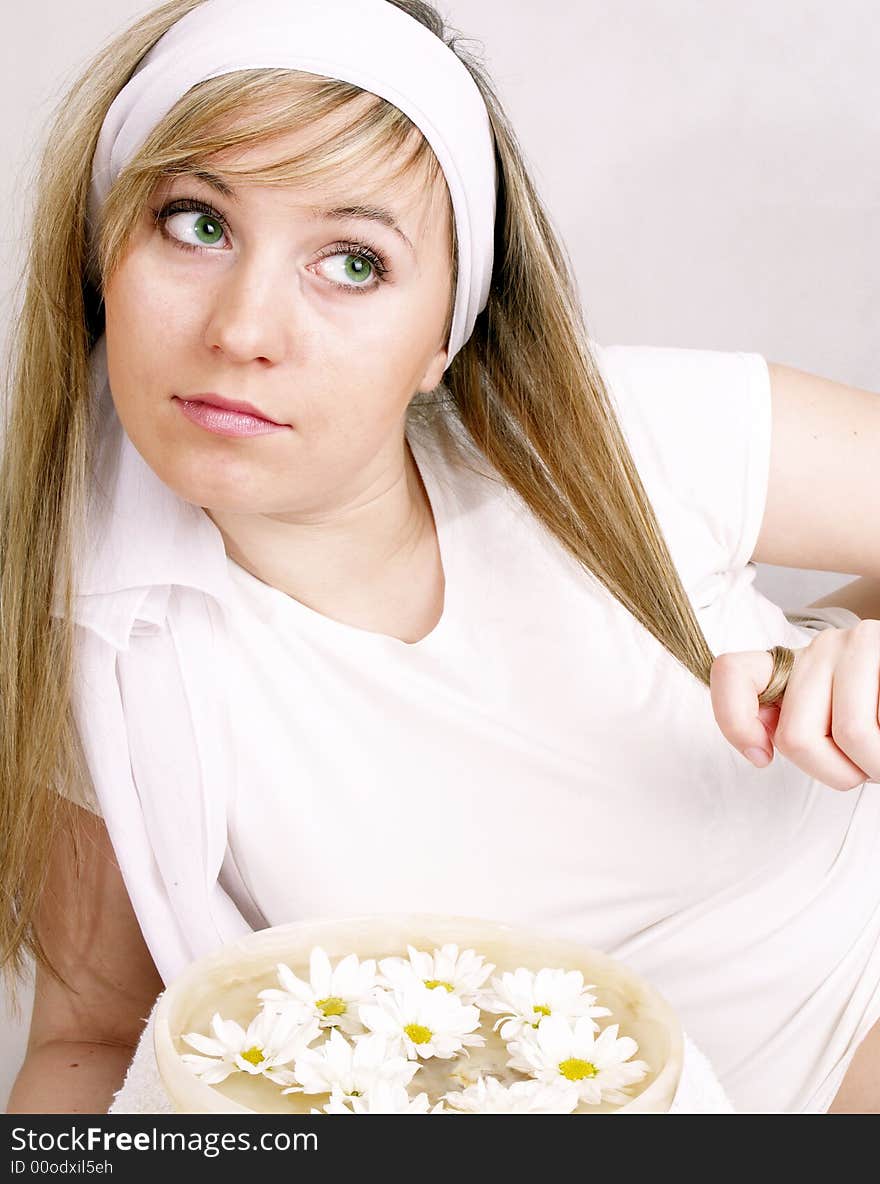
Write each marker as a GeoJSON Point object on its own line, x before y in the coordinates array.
{"type": "Point", "coordinates": [575, 1069]}
{"type": "Point", "coordinates": [418, 1033]}
{"type": "Point", "coordinates": [540, 1010]}
{"type": "Point", "coordinates": [253, 1055]}
{"type": "Point", "coordinates": [332, 1005]}
{"type": "Point", "coordinates": [431, 983]}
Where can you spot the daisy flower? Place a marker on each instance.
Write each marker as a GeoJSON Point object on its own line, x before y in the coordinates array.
{"type": "Point", "coordinates": [337, 1066]}
{"type": "Point", "coordinates": [489, 1096]}
{"type": "Point", "coordinates": [524, 999]}
{"type": "Point", "coordinates": [428, 1023]}
{"type": "Point", "coordinates": [331, 995]}
{"type": "Point", "coordinates": [384, 1098]}
{"type": "Point", "coordinates": [462, 974]}
{"type": "Point", "coordinates": [559, 1052]}
{"type": "Point", "coordinates": [271, 1040]}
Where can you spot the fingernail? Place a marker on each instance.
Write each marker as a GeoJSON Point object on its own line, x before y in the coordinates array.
{"type": "Point", "coordinates": [758, 756]}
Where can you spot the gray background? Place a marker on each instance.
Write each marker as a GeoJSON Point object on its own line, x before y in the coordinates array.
{"type": "Point", "coordinates": [710, 164]}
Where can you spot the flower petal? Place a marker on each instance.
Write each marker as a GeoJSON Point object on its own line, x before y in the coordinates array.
{"type": "Point", "coordinates": [212, 1048]}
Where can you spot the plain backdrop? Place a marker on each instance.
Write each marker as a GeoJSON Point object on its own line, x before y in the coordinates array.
{"type": "Point", "coordinates": [710, 164]}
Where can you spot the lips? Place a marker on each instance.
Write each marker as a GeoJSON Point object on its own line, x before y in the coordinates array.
{"type": "Point", "coordinates": [213, 400]}
{"type": "Point", "coordinates": [221, 421]}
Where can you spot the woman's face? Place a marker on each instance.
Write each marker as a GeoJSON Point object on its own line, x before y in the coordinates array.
{"type": "Point", "coordinates": [326, 323]}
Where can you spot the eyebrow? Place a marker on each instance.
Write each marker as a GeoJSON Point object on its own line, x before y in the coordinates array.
{"type": "Point", "coordinates": [339, 213]}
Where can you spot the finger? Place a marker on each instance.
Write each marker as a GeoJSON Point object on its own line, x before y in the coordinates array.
{"type": "Point", "coordinates": [769, 717]}
{"type": "Point", "coordinates": [803, 734]}
{"type": "Point", "coordinates": [855, 710]}
{"type": "Point", "coordinates": [735, 682]}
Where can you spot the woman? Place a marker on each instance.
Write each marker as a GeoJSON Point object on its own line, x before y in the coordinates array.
{"type": "Point", "coordinates": [370, 562]}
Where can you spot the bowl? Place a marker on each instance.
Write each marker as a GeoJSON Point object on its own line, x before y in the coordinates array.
{"type": "Point", "coordinates": [228, 979]}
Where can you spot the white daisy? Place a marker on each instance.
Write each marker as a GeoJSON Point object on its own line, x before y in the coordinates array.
{"type": "Point", "coordinates": [560, 1052]}
{"type": "Point", "coordinates": [272, 1039]}
{"type": "Point", "coordinates": [384, 1098]}
{"type": "Point", "coordinates": [331, 995]}
{"type": "Point", "coordinates": [489, 1096]}
{"type": "Point", "coordinates": [462, 973]}
{"type": "Point", "coordinates": [428, 1023]}
{"type": "Point", "coordinates": [350, 1069]}
{"type": "Point", "coordinates": [523, 999]}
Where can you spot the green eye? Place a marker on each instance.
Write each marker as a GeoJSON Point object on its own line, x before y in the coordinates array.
{"type": "Point", "coordinates": [358, 268]}
{"type": "Point", "coordinates": [208, 229]}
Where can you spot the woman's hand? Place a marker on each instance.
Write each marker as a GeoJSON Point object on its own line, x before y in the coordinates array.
{"type": "Point", "coordinates": [827, 722]}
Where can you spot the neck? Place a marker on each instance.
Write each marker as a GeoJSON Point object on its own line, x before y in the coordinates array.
{"type": "Point", "coordinates": [335, 560]}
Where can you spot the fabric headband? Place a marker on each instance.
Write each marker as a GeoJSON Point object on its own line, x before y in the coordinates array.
{"type": "Point", "coordinates": [370, 43]}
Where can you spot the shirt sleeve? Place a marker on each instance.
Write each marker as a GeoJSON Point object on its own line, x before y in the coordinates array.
{"type": "Point", "coordinates": [698, 425]}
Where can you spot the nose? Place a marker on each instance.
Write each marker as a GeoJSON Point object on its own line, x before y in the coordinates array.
{"type": "Point", "coordinates": [249, 317]}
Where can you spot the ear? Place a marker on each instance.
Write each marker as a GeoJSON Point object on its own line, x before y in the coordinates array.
{"type": "Point", "coordinates": [434, 373]}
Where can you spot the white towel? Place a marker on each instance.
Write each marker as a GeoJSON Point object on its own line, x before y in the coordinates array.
{"type": "Point", "coordinates": [142, 1092]}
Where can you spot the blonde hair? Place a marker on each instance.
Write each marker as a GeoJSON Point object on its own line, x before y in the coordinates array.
{"type": "Point", "coordinates": [525, 389]}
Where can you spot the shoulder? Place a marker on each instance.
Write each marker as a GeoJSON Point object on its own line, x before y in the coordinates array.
{"type": "Point", "coordinates": [698, 425]}
{"type": "Point", "coordinates": [660, 384]}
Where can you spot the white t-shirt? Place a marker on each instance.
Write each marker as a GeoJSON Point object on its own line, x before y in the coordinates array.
{"type": "Point", "coordinates": [539, 758]}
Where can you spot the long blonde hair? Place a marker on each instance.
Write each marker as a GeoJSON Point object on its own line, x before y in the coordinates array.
{"type": "Point", "coordinates": [525, 389]}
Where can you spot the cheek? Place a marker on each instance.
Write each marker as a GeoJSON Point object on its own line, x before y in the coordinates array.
{"type": "Point", "coordinates": [143, 313]}
{"type": "Point", "coordinates": [354, 408]}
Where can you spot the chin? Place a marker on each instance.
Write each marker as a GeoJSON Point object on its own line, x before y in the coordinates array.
{"type": "Point", "coordinates": [204, 480]}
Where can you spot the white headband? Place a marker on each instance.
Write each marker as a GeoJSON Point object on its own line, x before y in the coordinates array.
{"type": "Point", "coordinates": [370, 43]}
